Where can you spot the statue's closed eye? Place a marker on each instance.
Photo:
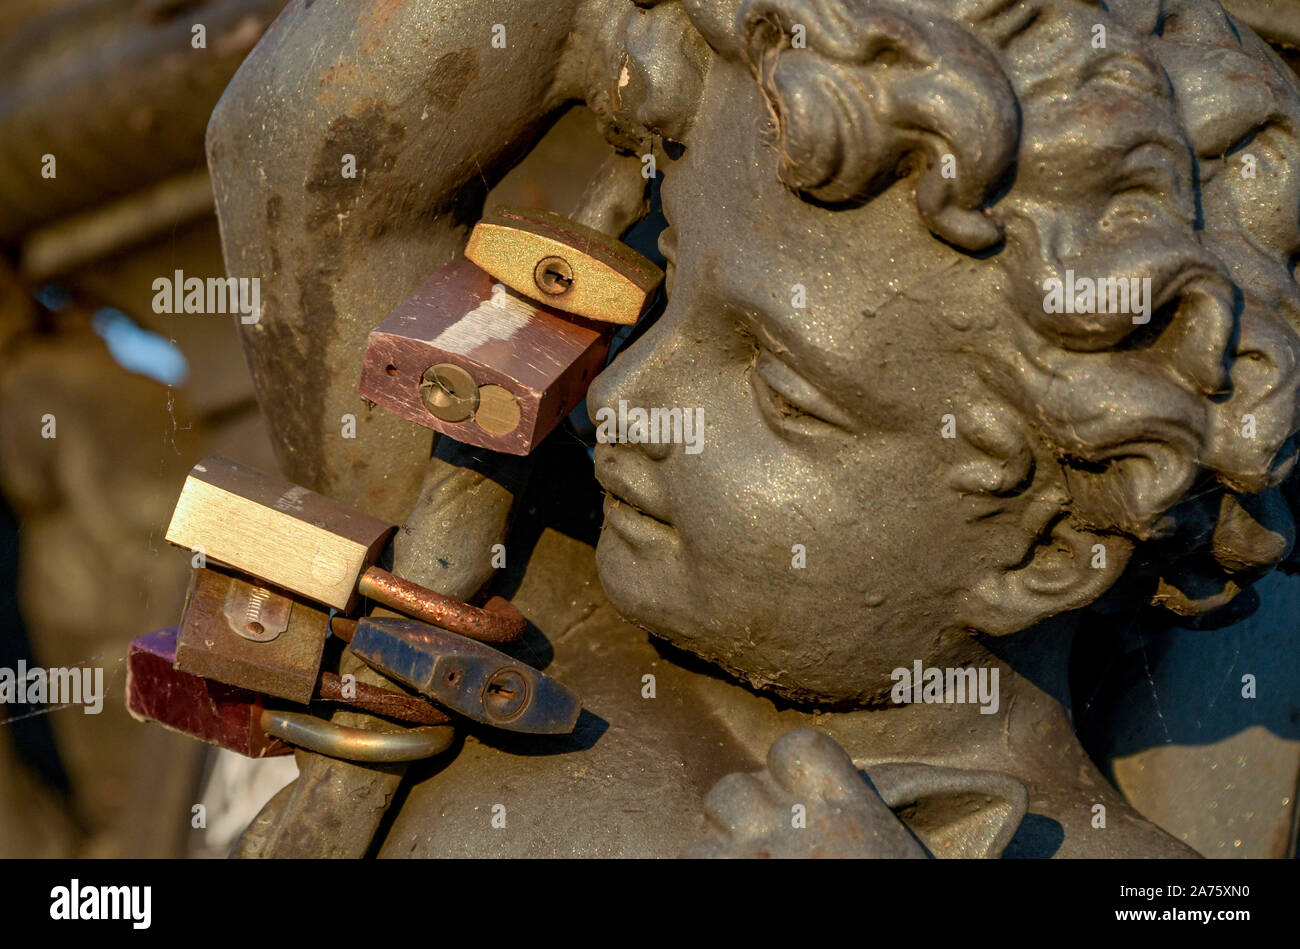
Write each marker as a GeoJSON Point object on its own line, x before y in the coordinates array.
{"type": "Point", "coordinates": [790, 402]}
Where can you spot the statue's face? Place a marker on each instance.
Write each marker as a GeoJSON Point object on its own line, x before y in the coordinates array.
{"type": "Point", "coordinates": [815, 542]}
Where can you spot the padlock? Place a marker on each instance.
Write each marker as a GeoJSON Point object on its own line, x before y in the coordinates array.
{"type": "Point", "coordinates": [466, 357]}
{"type": "Point", "coordinates": [249, 634]}
{"type": "Point", "coordinates": [566, 265]}
{"type": "Point", "coordinates": [305, 544]}
{"type": "Point", "coordinates": [465, 676]}
{"type": "Point", "coordinates": [281, 654]}
{"type": "Point", "coordinates": [292, 537]}
{"type": "Point", "coordinates": [220, 714]}
{"type": "Point", "coordinates": [239, 720]}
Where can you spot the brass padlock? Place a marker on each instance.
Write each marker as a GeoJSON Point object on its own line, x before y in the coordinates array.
{"type": "Point", "coordinates": [466, 357]}
{"type": "Point", "coordinates": [292, 537]}
{"type": "Point", "coordinates": [248, 634]}
{"type": "Point", "coordinates": [305, 544]}
{"type": "Point", "coordinates": [567, 265]}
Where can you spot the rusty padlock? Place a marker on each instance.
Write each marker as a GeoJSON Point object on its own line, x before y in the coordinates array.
{"type": "Point", "coordinates": [306, 544]}
{"type": "Point", "coordinates": [249, 634]}
{"type": "Point", "coordinates": [243, 633]}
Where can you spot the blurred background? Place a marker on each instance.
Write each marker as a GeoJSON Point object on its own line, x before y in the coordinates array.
{"type": "Point", "coordinates": [118, 93]}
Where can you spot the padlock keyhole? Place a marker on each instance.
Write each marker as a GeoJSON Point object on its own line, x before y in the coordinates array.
{"type": "Point", "coordinates": [449, 392]}
{"type": "Point", "coordinates": [558, 282]}
{"type": "Point", "coordinates": [553, 275]}
{"type": "Point", "coordinates": [506, 694]}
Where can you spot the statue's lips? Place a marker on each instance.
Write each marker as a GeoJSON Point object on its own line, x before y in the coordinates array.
{"type": "Point", "coordinates": [613, 501]}
{"type": "Point", "coordinates": [616, 488]}
{"type": "Point", "coordinates": [626, 513]}
{"type": "Point", "coordinates": [634, 524]}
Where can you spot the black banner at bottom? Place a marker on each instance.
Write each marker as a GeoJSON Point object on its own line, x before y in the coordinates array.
{"type": "Point", "coordinates": [334, 900]}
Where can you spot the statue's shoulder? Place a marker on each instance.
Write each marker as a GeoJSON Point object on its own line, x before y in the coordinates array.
{"type": "Point", "coordinates": [628, 782]}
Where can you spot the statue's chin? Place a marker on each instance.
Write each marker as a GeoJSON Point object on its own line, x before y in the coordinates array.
{"type": "Point", "coordinates": [638, 588]}
{"type": "Point", "coordinates": [645, 594]}
{"type": "Point", "coordinates": [651, 593]}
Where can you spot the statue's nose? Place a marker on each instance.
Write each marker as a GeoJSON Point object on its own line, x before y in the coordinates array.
{"type": "Point", "coordinates": [636, 375]}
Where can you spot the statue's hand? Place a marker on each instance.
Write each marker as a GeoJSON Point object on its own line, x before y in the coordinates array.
{"type": "Point", "coordinates": [811, 801]}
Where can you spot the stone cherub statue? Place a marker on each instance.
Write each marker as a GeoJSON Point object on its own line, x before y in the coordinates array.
{"type": "Point", "coordinates": [913, 454]}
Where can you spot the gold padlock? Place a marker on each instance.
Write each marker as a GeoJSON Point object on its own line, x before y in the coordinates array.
{"type": "Point", "coordinates": [563, 264]}
{"type": "Point", "coordinates": [302, 543]}
{"type": "Point", "coordinates": [294, 538]}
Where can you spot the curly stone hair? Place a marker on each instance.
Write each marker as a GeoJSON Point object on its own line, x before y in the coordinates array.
{"type": "Point", "coordinates": [1133, 138]}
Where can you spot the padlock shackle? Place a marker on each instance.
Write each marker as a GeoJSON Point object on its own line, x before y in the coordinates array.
{"type": "Point", "coordinates": [355, 744]}
{"type": "Point", "coordinates": [379, 701]}
{"type": "Point", "coordinates": [498, 621]}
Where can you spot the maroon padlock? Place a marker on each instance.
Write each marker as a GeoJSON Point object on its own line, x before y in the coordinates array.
{"type": "Point", "coordinates": [236, 719]}
{"type": "Point", "coordinates": [221, 715]}
{"type": "Point", "coordinates": [466, 357]}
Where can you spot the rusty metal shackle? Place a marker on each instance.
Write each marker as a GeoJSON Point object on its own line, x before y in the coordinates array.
{"type": "Point", "coordinates": [497, 621]}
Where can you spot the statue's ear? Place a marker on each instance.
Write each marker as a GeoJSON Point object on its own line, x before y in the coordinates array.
{"type": "Point", "coordinates": [952, 811]}
{"type": "Point", "coordinates": [1063, 568]}
{"type": "Point", "coordinates": [862, 93]}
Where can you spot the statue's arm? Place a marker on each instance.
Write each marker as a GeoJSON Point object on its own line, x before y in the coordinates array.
{"type": "Point", "coordinates": [434, 114]}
